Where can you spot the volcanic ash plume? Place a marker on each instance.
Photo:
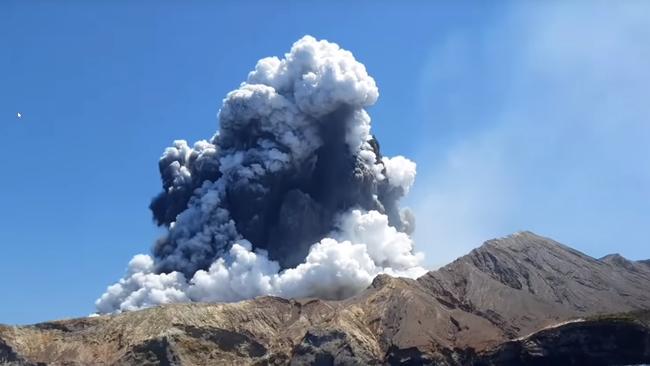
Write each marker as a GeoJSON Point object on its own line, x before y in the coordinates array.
{"type": "Point", "coordinates": [291, 197]}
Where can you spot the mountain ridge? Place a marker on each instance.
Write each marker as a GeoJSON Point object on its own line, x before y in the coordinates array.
{"type": "Point", "coordinates": [506, 289]}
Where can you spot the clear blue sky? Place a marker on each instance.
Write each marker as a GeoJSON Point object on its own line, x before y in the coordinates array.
{"type": "Point", "coordinates": [534, 117]}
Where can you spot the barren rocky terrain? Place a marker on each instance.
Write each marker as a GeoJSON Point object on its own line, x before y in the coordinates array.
{"type": "Point", "coordinates": [519, 300]}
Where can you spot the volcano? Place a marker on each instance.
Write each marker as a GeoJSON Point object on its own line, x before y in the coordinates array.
{"type": "Point", "coordinates": [519, 300]}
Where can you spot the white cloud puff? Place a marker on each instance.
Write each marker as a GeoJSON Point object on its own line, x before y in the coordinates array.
{"type": "Point", "coordinates": [320, 75]}
{"type": "Point", "coordinates": [400, 172]}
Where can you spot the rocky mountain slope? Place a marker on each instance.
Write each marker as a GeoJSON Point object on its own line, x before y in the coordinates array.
{"type": "Point", "coordinates": [503, 303]}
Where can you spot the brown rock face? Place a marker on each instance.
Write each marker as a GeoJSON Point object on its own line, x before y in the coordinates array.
{"type": "Point", "coordinates": [472, 311]}
{"type": "Point", "coordinates": [524, 282]}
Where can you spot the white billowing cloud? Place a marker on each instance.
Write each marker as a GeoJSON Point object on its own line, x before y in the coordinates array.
{"type": "Point", "coordinates": [142, 288]}
{"type": "Point", "coordinates": [321, 75]}
{"type": "Point", "coordinates": [336, 267]}
{"type": "Point", "coordinates": [385, 245]}
{"type": "Point", "coordinates": [285, 96]}
{"type": "Point", "coordinates": [332, 270]}
{"type": "Point", "coordinates": [246, 275]}
{"type": "Point", "coordinates": [400, 171]}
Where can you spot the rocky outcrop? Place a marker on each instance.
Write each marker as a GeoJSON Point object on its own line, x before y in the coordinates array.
{"type": "Point", "coordinates": [9, 357]}
{"type": "Point", "coordinates": [611, 340]}
{"type": "Point", "coordinates": [331, 347]}
{"type": "Point", "coordinates": [502, 301]}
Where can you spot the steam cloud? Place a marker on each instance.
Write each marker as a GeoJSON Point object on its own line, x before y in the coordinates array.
{"type": "Point", "coordinates": [291, 197]}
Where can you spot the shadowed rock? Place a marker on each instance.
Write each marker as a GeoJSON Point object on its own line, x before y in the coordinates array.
{"type": "Point", "coordinates": [609, 340]}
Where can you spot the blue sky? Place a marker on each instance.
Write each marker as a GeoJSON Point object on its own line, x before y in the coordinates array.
{"type": "Point", "coordinates": [519, 117]}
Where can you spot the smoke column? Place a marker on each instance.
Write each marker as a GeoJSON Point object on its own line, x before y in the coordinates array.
{"type": "Point", "coordinates": [291, 197]}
